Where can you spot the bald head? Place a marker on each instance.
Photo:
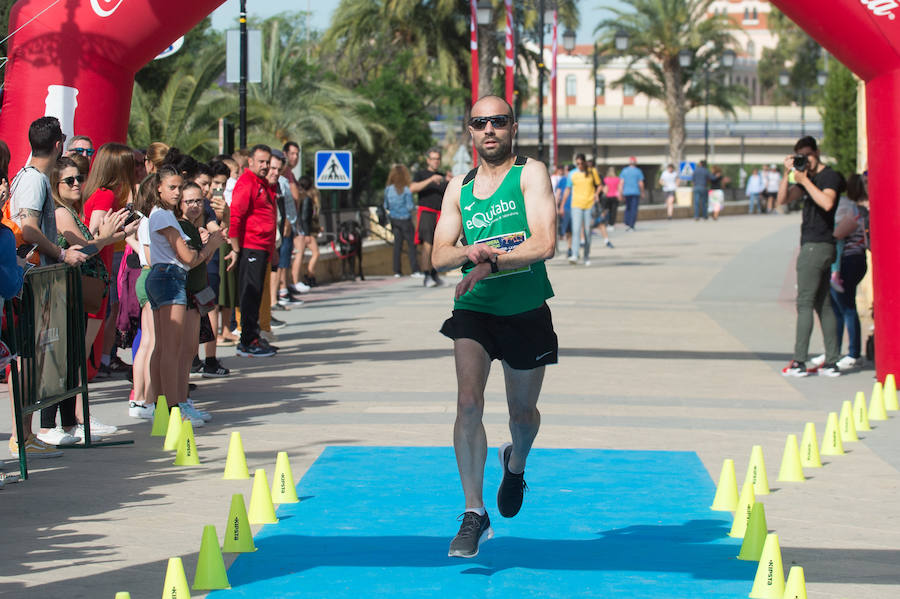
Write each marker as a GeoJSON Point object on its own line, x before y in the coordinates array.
{"type": "Point", "coordinates": [491, 105]}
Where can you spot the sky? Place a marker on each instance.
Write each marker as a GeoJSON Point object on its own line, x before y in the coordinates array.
{"type": "Point", "coordinates": [226, 15]}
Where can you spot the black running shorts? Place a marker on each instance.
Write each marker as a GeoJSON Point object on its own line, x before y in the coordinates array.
{"type": "Point", "coordinates": [524, 341]}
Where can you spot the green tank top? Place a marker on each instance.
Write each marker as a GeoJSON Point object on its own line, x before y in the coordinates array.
{"type": "Point", "coordinates": [500, 222]}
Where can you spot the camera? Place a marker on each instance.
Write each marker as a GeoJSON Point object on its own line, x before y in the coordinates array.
{"type": "Point", "coordinates": [801, 162]}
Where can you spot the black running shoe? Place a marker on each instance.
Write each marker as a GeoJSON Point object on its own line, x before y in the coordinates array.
{"type": "Point", "coordinates": [473, 530]}
{"type": "Point", "coordinates": [512, 487]}
{"type": "Point", "coordinates": [196, 365]}
{"type": "Point", "coordinates": [216, 370]}
{"type": "Point", "coordinates": [253, 350]}
{"type": "Point", "coordinates": [275, 323]}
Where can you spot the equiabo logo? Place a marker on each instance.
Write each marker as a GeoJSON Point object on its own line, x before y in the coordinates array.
{"type": "Point", "coordinates": [480, 220]}
{"type": "Point", "coordinates": [105, 8]}
{"type": "Point", "coordinates": [881, 8]}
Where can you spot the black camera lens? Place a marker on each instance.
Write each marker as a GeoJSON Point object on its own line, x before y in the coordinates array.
{"type": "Point", "coordinates": [801, 162]}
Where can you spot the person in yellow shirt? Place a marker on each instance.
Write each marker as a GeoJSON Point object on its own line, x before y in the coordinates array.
{"type": "Point", "coordinates": [586, 187]}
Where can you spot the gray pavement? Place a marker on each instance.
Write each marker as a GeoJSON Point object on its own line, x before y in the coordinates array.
{"type": "Point", "coordinates": [672, 341]}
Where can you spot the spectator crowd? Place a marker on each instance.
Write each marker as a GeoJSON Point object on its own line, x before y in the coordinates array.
{"type": "Point", "coordinates": [174, 254]}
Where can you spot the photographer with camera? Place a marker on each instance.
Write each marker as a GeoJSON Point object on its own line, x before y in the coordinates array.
{"type": "Point", "coordinates": [818, 186]}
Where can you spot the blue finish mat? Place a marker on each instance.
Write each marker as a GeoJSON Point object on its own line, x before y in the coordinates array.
{"type": "Point", "coordinates": [377, 522]}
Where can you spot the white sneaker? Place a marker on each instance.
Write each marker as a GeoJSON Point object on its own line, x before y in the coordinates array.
{"type": "Point", "coordinates": [204, 415]}
{"type": "Point", "coordinates": [417, 275]}
{"type": "Point", "coordinates": [102, 429]}
{"type": "Point", "coordinates": [818, 361]}
{"type": "Point", "coordinates": [301, 287]}
{"type": "Point", "coordinates": [189, 413]}
{"type": "Point", "coordinates": [145, 411]}
{"type": "Point", "coordinates": [587, 262]}
{"type": "Point", "coordinates": [429, 281]}
{"type": "Point", "coordinates": [573, 260]}
{"type": "Point", "coordinates": [611, 228]}
{"type": "Point", "coordinates": [848, 363]}
{"type": "Point", "coordinates": [57, 436]}
{"type": "Point", "coordinates": [79, 433]}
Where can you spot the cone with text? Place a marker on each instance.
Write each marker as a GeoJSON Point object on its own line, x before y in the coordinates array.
{"type": "Point", "coordinates": [238, 536]}
{"type": "Point", "coordinates": [175, 585]}
{"type": "Point", "coordinates": [743, 511]}
{"type": "Point", "coordinates": [861, 413]}
{"type": "Point", "coordinates": [756, 472]}
{"type": "Point", "coordinates": [186, 454]}
{"type": "Point", "coordinates": [831, 440]}
{"type": "Point", "coordinates": [283, 490]}
{"type": "Point", "coordinates": [769, 580]}
{"type": "Point", "coordinates": [809, 447]}
{"type": "Point", "coordinates": [845, 420]}
{"type": "Point", "coordinates": [755, 535]}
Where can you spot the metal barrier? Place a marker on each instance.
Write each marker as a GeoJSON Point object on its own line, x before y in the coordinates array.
{"type": "Point", "coordinates": [46, 329]}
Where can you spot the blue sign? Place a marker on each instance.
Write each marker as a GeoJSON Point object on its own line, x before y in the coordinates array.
{"type": "Point", "coordinates": [686, 170]}
{"type": "Point", "coordinates": [334, 169]}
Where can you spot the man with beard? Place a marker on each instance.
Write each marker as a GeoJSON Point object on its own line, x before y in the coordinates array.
{"type": "Point", "coordinates": [430, 184]}
{"type": "Point", "coordinates": [506, 211]}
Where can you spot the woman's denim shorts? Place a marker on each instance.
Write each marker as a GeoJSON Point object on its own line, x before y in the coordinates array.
{"type": "Point", "coordinates": [166, 286]}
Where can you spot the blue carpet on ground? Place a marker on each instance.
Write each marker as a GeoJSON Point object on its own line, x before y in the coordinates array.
{"type": "Point", "coordinates": [377, 521]}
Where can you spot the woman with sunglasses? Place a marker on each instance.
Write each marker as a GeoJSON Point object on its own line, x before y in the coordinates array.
{"type": "Point", "coordinates": [65, 184]}
{"type": "Point", "coordinates": [109, 186]}
{"type": "Point", "coordinates": [170, 260]}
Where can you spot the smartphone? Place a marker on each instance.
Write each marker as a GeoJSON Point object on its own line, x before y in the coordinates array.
{"type": "Point", "coordinates": [131, 218]}
{"type": "Point", "coordinates": [89, 250]}
{"type": "Point", "coordinates": [218, 192]}
{"type": "Point", "coordinates": [25, 250]}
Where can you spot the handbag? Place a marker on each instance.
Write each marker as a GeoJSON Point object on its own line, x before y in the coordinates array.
{"type": "Point", "coordinates": [93, 290]}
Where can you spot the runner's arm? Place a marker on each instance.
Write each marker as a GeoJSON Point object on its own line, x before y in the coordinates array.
{"type": "Point", "coordinates": [446, 255]}
{"type": "Point", "coordinates": [541, 215]}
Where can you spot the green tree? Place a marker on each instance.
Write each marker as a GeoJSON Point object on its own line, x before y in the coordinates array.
{"type": "Point", "coordinates": [658, 30]}
{"type": "Point", "coordinates": [796, 53]}
{"type": "Point", "coordinates": [839, 118]}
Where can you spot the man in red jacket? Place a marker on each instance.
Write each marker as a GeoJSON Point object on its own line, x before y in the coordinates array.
{"type": "Point", "coordinates": [252, 235]}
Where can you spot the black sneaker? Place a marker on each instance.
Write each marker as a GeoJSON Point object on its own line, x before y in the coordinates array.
{"type": "Point", "coordinates": [829, 370]}
{"type": "Point", "coordinates": [473, 530]}
{"type": "Point", "coordinates": [512, 487]}
{"type": "Point", "coordinates": [266, 345]}
{"type": "Point", "coordinates": [214, 371]}
{"type": "Point", "coordinates": [795, 368]}
{"type": "Point", "coordinates": [254, 350]}
{"type": "Point", "coordinates": [196, 365]}
{"type": "Point", "coordinates": [276, 324]}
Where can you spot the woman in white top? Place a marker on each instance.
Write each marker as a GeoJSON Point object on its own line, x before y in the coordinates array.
{"type": "Point", "coordinates": [170, 259]}
{"type": "Point", "coordinates": [668, 180]}
{"type": "Point", "coordinates": [141, 404]}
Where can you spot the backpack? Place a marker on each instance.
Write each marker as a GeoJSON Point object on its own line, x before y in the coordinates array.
{"type": "Point", "coordinates": [10, 222]}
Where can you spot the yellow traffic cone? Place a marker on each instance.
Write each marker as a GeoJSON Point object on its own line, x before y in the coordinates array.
{"type": "Point", "coordinates": [795, 588]}
{"type": "Point", "coordinates": [175, 586]}
{"type": "Point", "coordinates": [769, 581]}
{"type": "Point", "coordinates": [848, 428]}
{"type": "Point", "coordinates": [755, 536]}
{"type": "Point", "coordinates": [173, 430]}
{"type": "Point", "coordinates": [809, 447]}
{"type": "Point", "coordinates": [726, 498]}
{"type": "Point", "coordinates": [186, 455]}
{"type": "Point", "coordinates": [160, 417]}
{"type": "Point", "coordinates": [831, 441]}
{"type": "Point", "coordinates": [238, 536]}
{"type": "Point", "coordinates": [876, 403]}
{"type": "Point", "coordinates": [262, 511]}
{"type": "Point", "coordinates": [791, 467]}
{"type": "Point", "coordinates": [890, 394]}
{"type": "Point", "coordinates": [123, 595]}
{"type": "Point", "coordinates": [742, 512]}
{"type": "Point", "coordinates": [210, 572]}
{"type": "Point", "coordinates": [283, 490]}
{"type": "Point", "coordinates": [236, 462]}
{"type": "Point", "coordinates": [861, 413]}
{"type": "Point", "coordinates": [756, 472]}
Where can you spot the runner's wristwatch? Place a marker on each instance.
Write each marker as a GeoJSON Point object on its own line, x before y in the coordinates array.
{"type": "Point", "coordinates": [494, 267]}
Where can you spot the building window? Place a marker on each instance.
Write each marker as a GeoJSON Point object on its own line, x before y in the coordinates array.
{"type": "Point", "coordinates": [571, 85]}
{"type": "Point", "coordinates": [628, 90]}
{"type": "Point", "coordinates": [601, 86]}
{"type": "Point", "coordinates": [755, 15]}
{"type": "Point", "coordinates": [746, 14]}
{"type": "Point", "coordinates": [751, 49]}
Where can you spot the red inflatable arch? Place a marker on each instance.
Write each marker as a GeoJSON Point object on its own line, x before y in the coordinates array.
{"type": "Point", "coordinates": [865, 36]}
{"type": "Point", "coordinates": [77, 60]}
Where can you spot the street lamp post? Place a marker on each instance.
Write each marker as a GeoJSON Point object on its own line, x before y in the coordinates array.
{"type": "Point", "coordinates": [621, 44]}
{"type": "Point", "coordinates": [784, 79]}
{"type": "Point", "coordinates": [727, 61]}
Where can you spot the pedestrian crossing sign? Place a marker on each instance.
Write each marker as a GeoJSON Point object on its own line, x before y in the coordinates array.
{"type": "Point", "coordinates": [686, 170]}
{"type": "Point", "coordinates": [334, 169]}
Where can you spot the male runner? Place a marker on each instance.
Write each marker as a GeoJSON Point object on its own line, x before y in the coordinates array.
{"type": "Point", "coordinates": [505, 209]}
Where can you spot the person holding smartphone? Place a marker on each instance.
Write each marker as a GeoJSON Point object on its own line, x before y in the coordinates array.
{"type": "Point", "coordinates": [65, 185]}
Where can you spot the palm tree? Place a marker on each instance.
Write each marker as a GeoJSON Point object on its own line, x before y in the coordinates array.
{"type": "Point", "coordinates": [186, 111]}
{"type": "Point", "coordinates": [298, 101]}
{"type": "Point", "coordinates": [658, 31]}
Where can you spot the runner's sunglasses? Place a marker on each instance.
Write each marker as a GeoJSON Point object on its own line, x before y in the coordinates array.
{"type": "Point", "coordinates": [498, 121]}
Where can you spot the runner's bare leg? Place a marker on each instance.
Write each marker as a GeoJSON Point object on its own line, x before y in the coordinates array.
{"type": "Point", "coordinates": [469, 440]}
{"type": "Point", "coordinates": [523, 387]}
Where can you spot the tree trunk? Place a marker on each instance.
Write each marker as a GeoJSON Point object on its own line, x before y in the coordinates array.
{"type": "Point", "coordinates": [486, 50]}
{"type": "Point", "coordinates": [675, 109]}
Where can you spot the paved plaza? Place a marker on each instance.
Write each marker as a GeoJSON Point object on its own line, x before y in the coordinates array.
{"type": "Point", "coordinates": [671, 342]}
